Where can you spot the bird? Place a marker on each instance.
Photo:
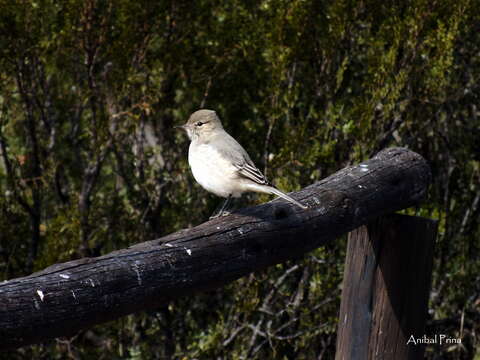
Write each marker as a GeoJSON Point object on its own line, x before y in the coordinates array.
{"type": "Point", "coordinates": [220, 164]}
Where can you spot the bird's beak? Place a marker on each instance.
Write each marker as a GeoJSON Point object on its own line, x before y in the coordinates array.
{"type": "Point", "coordinates": [186, 128]}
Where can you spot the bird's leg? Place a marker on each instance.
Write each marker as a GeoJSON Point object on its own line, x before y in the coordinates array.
{"type": "Point", "coordinates": [223, 208]}
{"type": "Point", "coordinates": [226, 206]}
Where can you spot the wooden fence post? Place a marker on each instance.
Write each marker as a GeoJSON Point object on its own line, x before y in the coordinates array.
{"type": "Point", "coordinates": [385, 288]}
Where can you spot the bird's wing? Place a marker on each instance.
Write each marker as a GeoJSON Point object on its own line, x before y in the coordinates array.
{"type": "Point", "coordinates": [250, 171]}
{"type": "Point", "coordinates": [240, 159]}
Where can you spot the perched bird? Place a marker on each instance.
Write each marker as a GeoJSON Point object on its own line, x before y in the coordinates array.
{"type": "Point", "coordinates": [220, 164]}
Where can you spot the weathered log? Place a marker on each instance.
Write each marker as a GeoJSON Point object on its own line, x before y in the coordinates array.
{"type": "Point", "coordinates": [64, 298]}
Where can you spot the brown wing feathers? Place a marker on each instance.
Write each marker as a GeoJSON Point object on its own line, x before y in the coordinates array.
{"type": "Point", "coordinates": [251, 172]}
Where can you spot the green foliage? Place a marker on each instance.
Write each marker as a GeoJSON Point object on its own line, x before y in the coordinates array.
{"type": "Point", "coordinates": [89, 161]}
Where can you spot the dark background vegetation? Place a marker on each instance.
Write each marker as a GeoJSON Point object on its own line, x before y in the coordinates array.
{"type": "Point", "coordinates": [89, 162]}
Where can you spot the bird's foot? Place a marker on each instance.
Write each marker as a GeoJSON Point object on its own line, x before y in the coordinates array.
{"type": "Point", "coordinates": [219, 214]}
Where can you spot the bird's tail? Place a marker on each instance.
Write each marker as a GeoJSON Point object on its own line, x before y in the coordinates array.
{"type": "Point", "coordinates": [277, 192]}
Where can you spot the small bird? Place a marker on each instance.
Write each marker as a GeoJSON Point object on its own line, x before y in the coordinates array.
{"type": "Point", "coordinates": [220, 164]}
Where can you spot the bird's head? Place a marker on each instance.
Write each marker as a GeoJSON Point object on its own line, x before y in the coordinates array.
{"type": "Point", "coordinates": [202, 124]}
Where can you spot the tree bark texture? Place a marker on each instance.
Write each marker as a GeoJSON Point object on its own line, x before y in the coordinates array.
{"type": "Point", "coordinates": [64, 298]}
{"type": "Point", "coordinates": [385, 289]}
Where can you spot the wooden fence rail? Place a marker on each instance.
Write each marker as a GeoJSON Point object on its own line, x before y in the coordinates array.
{"type": "Point", "coordinates": [64, 298]}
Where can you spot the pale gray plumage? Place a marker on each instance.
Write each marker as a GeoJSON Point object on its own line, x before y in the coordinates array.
{"type": "Point", "coordinates": [220, 164]}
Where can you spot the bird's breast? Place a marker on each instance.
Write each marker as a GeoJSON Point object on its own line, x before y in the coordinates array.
{"type": "Point", "coordinates": [212, 171]}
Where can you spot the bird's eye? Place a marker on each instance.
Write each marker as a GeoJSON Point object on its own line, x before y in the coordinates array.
{"type": "Point", "coordinates": [199, 123]}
